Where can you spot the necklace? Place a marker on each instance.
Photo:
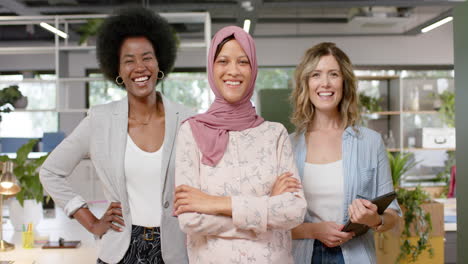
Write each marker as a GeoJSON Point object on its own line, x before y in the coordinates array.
{"type": "Point", "coordinates": [142, 122]}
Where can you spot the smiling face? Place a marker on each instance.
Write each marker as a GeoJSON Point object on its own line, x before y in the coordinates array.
{"type": "Point", "coordinates": [138, 66]}
{"type": "Point", "coordinates": [326, 85]}
{"type": "Point", "coordinates": [232, 72]}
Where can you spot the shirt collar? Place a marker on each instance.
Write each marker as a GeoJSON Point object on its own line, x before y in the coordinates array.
{"type": "Point", "coordinates": [350, 132]}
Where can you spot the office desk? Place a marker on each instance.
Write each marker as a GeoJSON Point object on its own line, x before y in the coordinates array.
{"type": "Point", "coordinates": [60, 226]}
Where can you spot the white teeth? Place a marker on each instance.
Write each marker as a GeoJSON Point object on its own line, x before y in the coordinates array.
{"type": "Point", "coordinates": [142, 79]}
{"type": "Point", "coordinates": [325, 94]}
{"type": "Point", "coordinates": [232, 82]}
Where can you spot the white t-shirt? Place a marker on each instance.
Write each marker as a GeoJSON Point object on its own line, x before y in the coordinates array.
{"type": "Point", "coordinates": [324, 190]}
{"type": "Point", "coordinates": [143, 180]}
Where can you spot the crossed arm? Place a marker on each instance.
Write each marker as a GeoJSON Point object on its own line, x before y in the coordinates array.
{"type": "Point", "coordinates": [238, 216]}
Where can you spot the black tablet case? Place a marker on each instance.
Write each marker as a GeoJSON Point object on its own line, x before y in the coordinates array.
{"type": "Point", "coordinates": [382, 203]}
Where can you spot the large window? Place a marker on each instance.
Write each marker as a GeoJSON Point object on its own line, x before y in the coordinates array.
{"type": "Point", "coordinates": [275, 78]}
{"type": "Point", "coordinates": [39, 116]}
{"type": "Point", "coordinates": [192, 89]}
{"type": "Point", "coordinates": [102, 91]}
{"type": "Point", "coordinates": [188, 88]}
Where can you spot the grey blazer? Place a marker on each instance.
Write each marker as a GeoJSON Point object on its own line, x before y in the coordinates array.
{"type": "Point", "coordinates": [102, 137]}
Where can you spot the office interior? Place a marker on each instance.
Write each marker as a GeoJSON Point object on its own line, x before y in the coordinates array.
{"type": "Point", "coordinates": [403, 66]}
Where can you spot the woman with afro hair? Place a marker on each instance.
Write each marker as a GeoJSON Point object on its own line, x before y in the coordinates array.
{"type": "Point", "coordinates": [130, 143]}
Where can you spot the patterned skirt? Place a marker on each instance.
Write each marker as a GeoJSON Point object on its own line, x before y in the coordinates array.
{"type": "Point", "coordinates": [144, 248]}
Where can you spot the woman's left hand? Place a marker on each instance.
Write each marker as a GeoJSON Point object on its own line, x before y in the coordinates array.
{"type": "Point", "coordinates": [362, 211]}
{"type": "Point", "coordinates": [285, 183]}
{"type": "Point", "coordinates": [190, 199]}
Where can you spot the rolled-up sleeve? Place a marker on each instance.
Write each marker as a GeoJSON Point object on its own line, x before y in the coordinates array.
{"type": "Point", "coordinates": [385, 182]}
{"type": "Point", "coordinates": [61, 163]}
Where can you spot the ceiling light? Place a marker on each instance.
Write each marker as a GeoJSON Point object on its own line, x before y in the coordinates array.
{"type": "Point", "coordinates": [54, 30]}
{"type": "Point", "coordinates": [437, 24]}
{"type": "Point", "coordinates": [247, 25]}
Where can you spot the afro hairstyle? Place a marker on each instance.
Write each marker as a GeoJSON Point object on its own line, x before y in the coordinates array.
{"type": "Point", "coordinates": [134, 22]}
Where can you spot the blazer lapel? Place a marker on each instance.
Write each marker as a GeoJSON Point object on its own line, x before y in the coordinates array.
{"type": "Point", "coordinates": [171, 126]}
{"type": "Point", "coordinates": [118, 145]}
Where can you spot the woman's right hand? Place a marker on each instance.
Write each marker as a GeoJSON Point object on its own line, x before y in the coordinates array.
{"type": "Point", "coordinates": [112, 216]}
{"type": "Point", "coordinates": [285, 183]}
{"type": "Point", "coordinates": [330, 234]}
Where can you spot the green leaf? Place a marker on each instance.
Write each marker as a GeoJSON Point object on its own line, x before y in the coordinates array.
{"type": "Point", "coordinates": [23, 152]}
{"type": "Point", "coordinates": [20, 197]}
{"type": "Point", "coordinates": [447, 109]}
{"type": "Point", "coordinates": [4, 158]}
{"type": "Point", "coordinates": [400, 163]}
{"type": "Point", "coordinates": [412, 200]}
{"type": "Point", "coordinates": [371, 104]}
{"type": "Point", "coordinates": [26, 171]}
{"type": "Point", "coordinates": [10, 95]}
{"type": "Point", "coordinates": [89, 29]}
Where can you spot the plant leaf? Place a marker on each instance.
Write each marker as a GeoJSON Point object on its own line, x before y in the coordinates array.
{"type": "Point", "coordinates": [23, 152]}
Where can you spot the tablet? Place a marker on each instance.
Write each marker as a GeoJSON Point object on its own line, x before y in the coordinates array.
{"type": "Point", "coordinates": [382, 203]}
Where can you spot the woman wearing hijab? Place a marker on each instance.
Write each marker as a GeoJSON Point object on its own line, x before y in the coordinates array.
{"type": "Point", "coordinates": [229, 198]}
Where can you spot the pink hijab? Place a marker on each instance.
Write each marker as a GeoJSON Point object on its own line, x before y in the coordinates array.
{"type": "Point", "coordinates": [210, 129]}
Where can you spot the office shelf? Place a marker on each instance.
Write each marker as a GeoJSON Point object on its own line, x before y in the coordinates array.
{"type": "Point", "coordinates": [60, 47]}
{"type": "Point", "coordinates": [402, 112]}
{"type": "Point", "coordinates": [408, 105]}
{"type": "Point", "coordinates": [417, 149]}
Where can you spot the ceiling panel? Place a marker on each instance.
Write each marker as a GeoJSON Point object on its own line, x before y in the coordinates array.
{"type": "Point", "coordinates": [270, 18]}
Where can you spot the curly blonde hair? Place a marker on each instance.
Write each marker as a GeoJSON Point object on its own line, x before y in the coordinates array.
{"type": "Point", "coordinates": [303, 112]}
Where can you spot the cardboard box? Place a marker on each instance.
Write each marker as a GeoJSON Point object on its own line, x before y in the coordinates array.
{"type": "Point", "coordinates": [437, 137]}
{"type": "Point", "coordinates": [387, 244]}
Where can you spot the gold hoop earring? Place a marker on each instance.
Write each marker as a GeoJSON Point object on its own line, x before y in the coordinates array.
{"type": "Point", "coordinates": [162, 75]}
{"type": "Point", "coordinates": [117, 80]}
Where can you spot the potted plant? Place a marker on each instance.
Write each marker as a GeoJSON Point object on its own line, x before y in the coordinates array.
{"type": "Point", "coordinates": [369, 104]}
{"type": "Point", "coordinates": [416, 222]}
{"type": "Point", "coordinates": [89, 29]}
{"type": "Point", "coordinates": [11, 95]}
{"type": "Point", "coordinates": [400, 163]}
{"type": "Point", "coordinates": [447, 114]}
{"type": "Point", "coordinates": [447, 108]}
{"type": "Point", "coordinates": [27, 207]}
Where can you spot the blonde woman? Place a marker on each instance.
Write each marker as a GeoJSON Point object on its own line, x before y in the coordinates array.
{"type": "Point", "coordinates": [337, 160]}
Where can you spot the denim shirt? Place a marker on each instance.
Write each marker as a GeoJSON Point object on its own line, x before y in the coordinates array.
{"type": "Point", "coordinates": [366, 172]}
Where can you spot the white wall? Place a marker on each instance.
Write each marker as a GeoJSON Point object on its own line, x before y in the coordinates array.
{"type": "Point", "coordinates": [432, 48]}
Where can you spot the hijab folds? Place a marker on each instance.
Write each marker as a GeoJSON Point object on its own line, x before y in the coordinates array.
{"type": "Point", "coordinates": [210, 129]}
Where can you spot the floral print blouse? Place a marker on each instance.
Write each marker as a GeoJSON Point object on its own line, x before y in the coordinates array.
{"type": "Point", "coordinates": [259, 229]}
